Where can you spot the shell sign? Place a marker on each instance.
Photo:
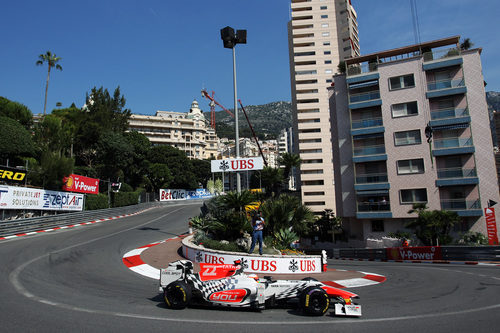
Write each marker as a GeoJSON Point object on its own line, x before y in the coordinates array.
{"type": "Point", "coordinates": [77, 183]}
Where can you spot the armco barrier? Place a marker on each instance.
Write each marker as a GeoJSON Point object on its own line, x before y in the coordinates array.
{"type": "Point", "coordinates": [448, 253]}
{"type": "Point", "coordinates": [271, 264]}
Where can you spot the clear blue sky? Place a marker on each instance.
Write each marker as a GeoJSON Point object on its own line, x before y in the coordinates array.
{"type": "Point", "coordinates": [162, 53]}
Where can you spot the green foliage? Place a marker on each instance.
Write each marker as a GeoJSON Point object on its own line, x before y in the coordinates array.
{"type": "Point", "coordinates": [52, 61]}
{"type": "Point", "coordinates": [15, 140]}
{"type": "Point", "coordinates": [219, 187]}
{"type": "Point", "coordinates": [217, 245]}
{"type": "Point", "coordinates": [136, 171]}
{"type": "Point", "coordinates": [96, 201]}
{"type": "Point", "coordinates": [236, 201]}
{"type": "Point", "coordinates": [211, 186]}
{"type": "Point", "coordinates": [16, 111]}
{"type": "Point", "coordinates": [471, 238]}
{"type": "Point", "coordinates": [341, 67]}
{"type": "Point", "coordinates": [285, 212]}
{"type": "Point", "coordinates": [120, 199]}
{"type": "Point", "coordinates": [400, 235]}
{"type": "Point", "coordinates": [114, 154]}
{"type": "Point", "coordinates": [433, 227]}
{"type": "Point", "coordinates": [283, 238]}
{"type": "Point", "coordinates": [159, 176]}
{"type": "Point", "coordinates": [50, 171]}
{"type": "Point", "coordinates": [326, 224]}
{"type": "Point", "coordinates": [271, 179]}
{"type": "Point", "coordinates": [289, 161]}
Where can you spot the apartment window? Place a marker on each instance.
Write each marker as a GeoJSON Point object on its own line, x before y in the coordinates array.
{"type": "Point", "coordinates": [328, 62]}
{"type": "Point", "coordinates": [319, 160]}
{"type": "Point", "coordinates": [327, 52]}
{"type": "Point", "coordinates": [401, 82]}
{"type": "Point", "coordinates": [407, 138]}
{"type": "Point", "coordinates": [329, 80]}
{"type": "Point", "coordinates": [413, 196]}
{"type": "Point", "coordinates": [314, 203]}
{"type": "Point", "coordinates": [314, 193]}
{"type": "Point", "coordinates": [410, 166]}
{"type": "Point", "coordinates": [310, 130]}
{"type": "Point", "coordinates": [310, 140]}
{"type": "Point", "coordinates": [313, 182]}
{"type": "Point", "coordinates": [377, 225]}
{"type": "Point", "coordinates": [325, 34]}
{"type": "Point", "coordinates": [404, 109]}
{"type": "Point", "coordinates": [324, 16]}
{"type": "Point", "coordinates": [326, 43]}
{"type": "Point", "coordinates": [312, 172]}
{"type": "Point", "coordinates": [310, 151]}
{"type": "Point", "coordinates": [328, 71]}
{"type": "Point", "coordinates": [323, 7]}
{"type": "Point", "coordinates": [325, 25]}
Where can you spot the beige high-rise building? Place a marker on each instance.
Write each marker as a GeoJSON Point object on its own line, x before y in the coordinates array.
{"type": "Point", "coordinates": [321, 33]}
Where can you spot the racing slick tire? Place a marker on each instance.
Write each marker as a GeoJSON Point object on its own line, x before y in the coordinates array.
{"type": "Point", "coordinates": [309, 279]}
{"type": "Point", "coordinates": [314, 301]}
{"type": "Point", "coordinates": [177, 295]}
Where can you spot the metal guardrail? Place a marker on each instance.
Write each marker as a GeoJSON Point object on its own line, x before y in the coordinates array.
{"type": "Point", "coordinates": [449, 253]}
{"type": "Point", "coordinates": [18, 226]}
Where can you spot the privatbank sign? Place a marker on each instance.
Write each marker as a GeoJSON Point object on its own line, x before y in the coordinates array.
{"type": "Point", "coordinates": [12, 175]}
{"type": "Point", "coordinates": [237, 164]}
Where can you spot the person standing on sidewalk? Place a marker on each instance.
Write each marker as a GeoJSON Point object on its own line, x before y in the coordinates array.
{"type": "Point", "coordinates": [258, 226]}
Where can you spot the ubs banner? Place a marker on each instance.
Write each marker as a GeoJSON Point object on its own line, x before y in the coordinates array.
{"type": "Point", "coordinates": [12, 197]}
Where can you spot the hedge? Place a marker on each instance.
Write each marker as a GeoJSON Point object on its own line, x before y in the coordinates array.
{"type": "Point", "coordinates": [96, 201]}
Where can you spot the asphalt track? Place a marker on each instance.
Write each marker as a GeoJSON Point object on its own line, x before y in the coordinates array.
{"type": "Point", "coordinates": [74, 281]}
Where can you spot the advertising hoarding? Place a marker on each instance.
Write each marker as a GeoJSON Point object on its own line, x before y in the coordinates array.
{"type": "Point", "coordinates": [491, 225]}
{"type": "Point", "coordinates": [173, 195]}
{"type": "Point", "coordinates": [237, 164]}
{"type": "Point", "coordinates": [414, 253]}
{"type": "Point", "coordinates": [81, 184]}
{"type": "Point", "coordinates": [12, 175]}
{"type": "Point", "coordinates": [12, 197]}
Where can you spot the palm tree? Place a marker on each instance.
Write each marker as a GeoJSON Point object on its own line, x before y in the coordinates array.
{"type": "Point", "coordinates": [52, 61]}
{"type": "Point", "coordinates": [466, 44]}
{"type": "Point", "coordinates": [289, 161]}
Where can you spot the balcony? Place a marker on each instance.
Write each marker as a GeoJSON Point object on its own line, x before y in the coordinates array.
{"type": "Point", "coordinates": [369, 153]}
{"type": "Point", "coordinates": [375, 207]}
{"type": "Point", "coordinates": [463, 207]}
{"type": "Point", "coordinates": [453, 146]}
{"type": "Point", "coordinates": [371, 181]}
{"type": "Point", "coordinates": [364, 100]}
{"type": "Point", "coordinates": [367, 126]}
{"type": "Point", "coordinates": [456, 176]}
{"type": "Point", "coordinates": [443, 58]}
{"type": "Point", "coordinates": [446, 87]}
{"type": "Point", "coordinates": [451, 116]}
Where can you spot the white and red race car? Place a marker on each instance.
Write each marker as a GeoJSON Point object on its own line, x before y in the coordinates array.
{"type": "Point", "coordinates": [227, 285]}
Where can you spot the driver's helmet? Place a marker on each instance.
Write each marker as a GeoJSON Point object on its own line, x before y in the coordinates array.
{"type": "Point", "coordinates": [253, 276]}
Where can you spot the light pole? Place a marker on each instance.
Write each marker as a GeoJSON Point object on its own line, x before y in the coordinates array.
{"type": "Point", "coordinates": [230, 39]}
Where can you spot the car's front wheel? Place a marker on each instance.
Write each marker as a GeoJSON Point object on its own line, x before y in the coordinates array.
{"type": "Point", "coordinates": [314, 301]}
{"type": "Point", "coordinates": [177, 295]}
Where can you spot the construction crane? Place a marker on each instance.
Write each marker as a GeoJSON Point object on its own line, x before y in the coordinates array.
{"type": "Point", "coordinates": [212, 104]}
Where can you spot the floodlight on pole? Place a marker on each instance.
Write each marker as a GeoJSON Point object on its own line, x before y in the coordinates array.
{"type": "Point", "coordinates": [229, 40]}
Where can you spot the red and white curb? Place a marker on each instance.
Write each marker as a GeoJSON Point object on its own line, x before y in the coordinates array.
{"type": "Point", "coordinates": [426, 261]}
{"type": "Point", "coordinates": [132, 260]}
{"type": "Point", "coordinates": [70, 226]}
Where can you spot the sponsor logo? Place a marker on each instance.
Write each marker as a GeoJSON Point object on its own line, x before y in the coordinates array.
{"type": "Point", "coordinates": [263, 265]}
{"type": "Point", "coordinates": [229, 296]}
{"type": "Point", "coordinates": [11, 174]}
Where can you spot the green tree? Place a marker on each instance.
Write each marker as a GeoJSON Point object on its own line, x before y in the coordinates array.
{"type": "Point", "coordinates": [114, 155]}
{"type": "Point", "coordinates": [289, 161]}
{"type": "Point", "coordinates": [15, 140]}
{"type": "Point", "coordinates": [201, 170]}
{"type": "Point", "coordinates": [52, 61]}
{"type": "Point", "coordinates": [50, 171]}
{"type": "Point", "coordinates": [16, 111]}
{"type": "Point", "coordinates": [466, 44]}
{"type": "Point", "coordinates": [136, 171]}
{"type": "Point", "coordinates": [180, 166]}
{"type": "Point", "coordinates": [271, 179]}
{"type": "Point", "coordinates": [237, 201]}
{"type": "Point", "coordinates": [159, 177]}
{"type": "Point", "coordinates": [433, 227]}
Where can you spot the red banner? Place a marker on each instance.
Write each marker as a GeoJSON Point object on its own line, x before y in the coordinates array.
{"type": "Point", "coordinates": [77, 183]}
{"type": "Point", "coordinates": [491, 226]}
{"type": "Point", "coordinates": [414, 253]}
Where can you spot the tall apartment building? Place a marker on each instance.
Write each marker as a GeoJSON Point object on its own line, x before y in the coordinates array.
{"type": "Point", "coordinates": [189, 132]}
{"type": "Point", "coordinates": [411, 126]}
{"type": "Point", "coordinates": [321, 33]}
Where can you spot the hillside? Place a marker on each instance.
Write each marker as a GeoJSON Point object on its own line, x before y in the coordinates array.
{"type": "Point", "coordinates": [267, 120]}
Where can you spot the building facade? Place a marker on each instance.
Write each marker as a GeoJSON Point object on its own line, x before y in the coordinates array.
{"type": "Point", "coordinates": [411, 126]}
{"type": "Point", "coordinates": [189, 132]}
{"type": "Point", "coordinates": [321, 33]}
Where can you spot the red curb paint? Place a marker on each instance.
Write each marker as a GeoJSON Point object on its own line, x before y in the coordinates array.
{"type": "Point", "coordinates": [376, 278]}
{"type": "Point", "coordinates": [133, 261]}
{"type": "Point", "coordinates": [332, 284]}
{"type": "Point", "coordinates": [19, 235]}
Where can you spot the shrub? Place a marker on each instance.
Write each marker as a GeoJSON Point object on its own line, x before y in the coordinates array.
{"type": "Point", "coordinates": [473, 239]}
{"type": "Point", "coordinates": [217, 245]}
{"type": "Point", "coordinates": [96, 201]}
{"type": "Point", "coordinates": [125, 198]}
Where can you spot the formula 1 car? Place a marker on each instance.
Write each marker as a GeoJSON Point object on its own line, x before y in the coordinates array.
{"type": "Point", "coordinates": [222, 284]}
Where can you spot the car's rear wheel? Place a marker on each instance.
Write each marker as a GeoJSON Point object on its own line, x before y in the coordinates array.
{"type": "Point", "coordinates": [177, 295]}
{"type": "Point", "coordinates": [314, 301]}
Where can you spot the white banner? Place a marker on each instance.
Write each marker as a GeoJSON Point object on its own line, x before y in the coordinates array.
{"type": "Point", "coordinates": [258, 264]}
{"type": "Point", "coordinates": [12, 197]}
{"type": "Point", "coordinates": [237, 164]}
{"type": "Point", "coordinates": [170, 195]}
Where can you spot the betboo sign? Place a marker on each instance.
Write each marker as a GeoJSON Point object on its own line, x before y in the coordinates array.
{"type": "Point", "coordinates": [414, 253]}
{"type": "Point", "coordinates": [172, 195]}
{"type": "Point", "coordinates": [237, 164]}
{"type": "Point", "coordinates": [12, 197]}
{"type": "Point", "coordinates": [81, 184]}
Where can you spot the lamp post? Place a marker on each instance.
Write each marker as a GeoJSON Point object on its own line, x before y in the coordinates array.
{"type": "Point", "coordinates": [230, 39]}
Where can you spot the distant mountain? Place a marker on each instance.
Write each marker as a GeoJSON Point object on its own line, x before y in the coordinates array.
{"type": "Point", "coordinates": [493, 100]}
{"type": "Point", "coordinates": [267, 120]}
